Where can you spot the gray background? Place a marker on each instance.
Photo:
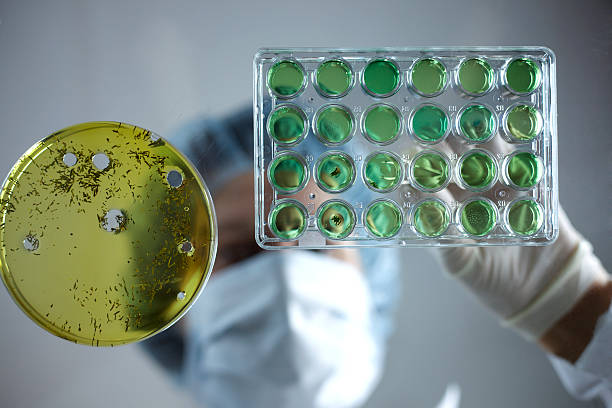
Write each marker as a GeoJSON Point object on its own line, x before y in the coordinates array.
{"type": "Point", "coordinates": [156, 64]}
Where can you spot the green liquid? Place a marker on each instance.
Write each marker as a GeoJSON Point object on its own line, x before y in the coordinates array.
{"type": "Point", "coordinates": [431, 218]}
{"type": "Point", "coordinates": [525, 170]}
{"type": "Point", "coordinates": [334, 125]}
{"type": "Point", "coordinates": [525, 217]}
{"type": "Point", "coordinates": [430, 171]}
{"type": "Point", "coordinates": [478, 217]}
{"type": "Point", "coordinates": [524, 123]}
{"type": "Point", "coordinates": [286, 125]}
{"type": "Point", "coordinates": [336, 220]}
{"type": "Point", "coordinates": [382, 124]}
{"type": "Point", "coordinates": [523, 76]}
{"type": "Point", "coordinates": [477, 123]}
{"type": "Point", "coordinates": [429, 124]}
{"type": "Point", "coordinates": [288, 220]}
{"type": "Point", "coordinates": [287, 173]}
{"type": "Point", "coordinates": [286, 78]}
{"type": "Point", "coordinates": [335, 172]}
{"type": "Point", "coordinates": [475, 76]}
{"type": "Point", "coordinates": [381, 77]}
{"type": "Point", "coordinates": [383, 219]}
{"type": "Point", "coordinates": [334, 78]}
{"type": "Point", "coordinates": [428, 76]}
{"type": "Point", "coordinates": [478, 170]}
{"type": "Point", "coordinates": [383, 172]}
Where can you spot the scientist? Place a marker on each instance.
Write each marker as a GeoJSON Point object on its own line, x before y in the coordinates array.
{"type": "Point", "coordinates": [309, 329]}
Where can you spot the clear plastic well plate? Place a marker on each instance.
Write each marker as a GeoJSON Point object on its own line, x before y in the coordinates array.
{"type": "Point", "coordinates": [405, 147]}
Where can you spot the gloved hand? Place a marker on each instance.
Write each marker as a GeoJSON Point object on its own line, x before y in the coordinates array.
{"type": "Point", "coordinates": [529, 288]}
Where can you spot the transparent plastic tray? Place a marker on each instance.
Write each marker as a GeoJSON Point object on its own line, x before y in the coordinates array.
{"type": "Point", "coordinates": [405, 147]}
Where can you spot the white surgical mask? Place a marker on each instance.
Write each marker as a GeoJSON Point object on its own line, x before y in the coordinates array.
{"type": "Point", "coordinates": [285, 328]}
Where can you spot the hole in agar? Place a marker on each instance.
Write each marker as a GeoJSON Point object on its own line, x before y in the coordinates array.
{"type": "Point", "coordinates": [186, 247]}
{"type": "Point", "coordinates": [175, 178]}
{"type": "Point", "coordinates": [69, 159]}
{"type": "Point", "coordinates": [100, 160]}
{"type": "Point", "coordinates": [31, 243]}
{"type": "Point", "coordinates": [114, 221]}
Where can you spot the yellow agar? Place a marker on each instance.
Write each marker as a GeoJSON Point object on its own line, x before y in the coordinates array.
{"type": "Point", "coordinates": [105, 256]}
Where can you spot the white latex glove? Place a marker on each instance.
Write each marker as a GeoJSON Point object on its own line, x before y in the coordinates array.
{"type": "Point", "coordinates": [530, 288]}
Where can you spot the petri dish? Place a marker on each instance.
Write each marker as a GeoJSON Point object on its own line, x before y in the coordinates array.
{"type": "Point", "coordinates": [522, 76]}
{"type": "Point", "coordinates": [333, 125]}
{"type": "Point", "coordinates": [429, 124]}
{"type": "Point", "coordinates": [381, 78]}
{"type": "Point", "coordinates": [522, 123]}
{"type": "Point", "coordinates": [287, 125]}
{"type": "Point", "coordinates": [382, 171]}
{"type": "Point", "coordinates": [335, 172]}
{"type": "Point", "coordinates": [381, 124]}
{"type": "Point", "coordinates": [286, 79]}
{"type": "Point", "coordinates": [523, 170]}
{"type": "Point", "coordinates": [336, 219]}
{"type": "Point", "coordinates": [108, 233]}
{"type": "Point", "coordinates": [383, 219]}
{"type": "Point", "coordinates": [476, 123]}
{"type": "Point", "coordinates": [478, 217]}
{"type": "Point", "coordinates": [288, 172]}
{"type": "Point", "coordinates": [430, 218]}
{"type": "Point", "coordinates": [430, 171]}
{"type": "Point", "coordinates": [477, 170]}
{"type": "Point", "coordinates": [287, 219]}
{"type": "Point", "coordinates": [475, 76]}
{"type": "Point", "coordinates": [428, 77]}
{"type": "Point", "coordinates": [524, 217]}
{"type": "Point", "coordinates": [334, 78]}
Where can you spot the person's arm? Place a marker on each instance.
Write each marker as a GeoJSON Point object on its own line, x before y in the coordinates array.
{"type": "Point", "coordinates": [569, 337]}
{"type": "Point", "coordinates": [556, 295]}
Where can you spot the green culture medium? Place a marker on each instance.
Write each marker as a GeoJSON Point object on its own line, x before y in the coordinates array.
{"type": "Point", "coordinates": [382, 171]}
{"type": "Point", "coordinates": [430, 171]}
{"type": "Point", "coordinates": [334, 78]}
{"type": "Point", "coordinates": [288, 220]}
{"type": "Point", "coordinates": [475, 76]}
{"type": "Point", "coordinates": [334, 125]}
{"type": "Point", "coordinates": [524, 170]}
{"type": "Point", "coordinates": [431, 218]}
{"type": "Point", "coordinates": [288, 173]}
{"type": "Point", "coordinates": [523, 76]}
{"type": "Point", "coordinates": [429, 124]}
{"type": "Point", "coordinates": [286, 125]}
{"type": "Point", "coordinates": [286, 79]}
{"type": "Point", "coordinates": [478, 217]}
{"type": "Point", "coordinates": [428, 76]}
{"type": "Point", "coordinates": [336, 219]}
{"type": "Point", "coordinates": [477, 123]}
{"type": "Point", "coordinates": [382, 124]}
{"type": "Point", "coordinates": [383, 219]}
{"type": "Point", "coordinates": [381, 77]}
{"type": "Point", "coordinates": [523, 123]}
{"type": "Point", "coordinates": [477, 170]}
{"type": "Point", "coordinates": [335, 172]}
{"type": "Point", "coordinates": [525, 217]}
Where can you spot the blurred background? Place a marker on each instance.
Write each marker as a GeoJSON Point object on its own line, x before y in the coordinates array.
{"type": "Point", "coordinates": [159, 63]}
